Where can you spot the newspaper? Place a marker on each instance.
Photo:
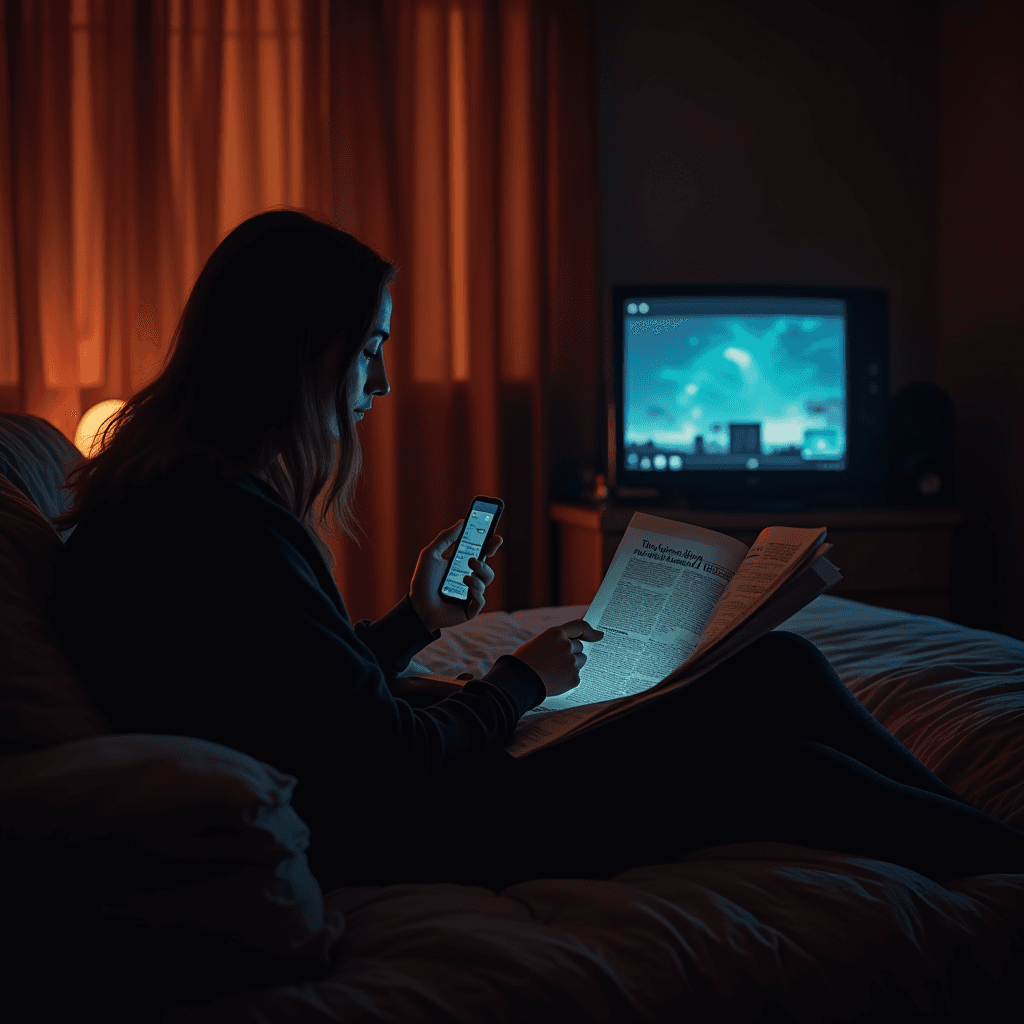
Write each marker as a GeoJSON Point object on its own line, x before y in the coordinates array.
{"type": "Point", "coordinates": [676, 601]}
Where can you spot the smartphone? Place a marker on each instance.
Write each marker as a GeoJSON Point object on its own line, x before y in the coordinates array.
{"type": "Point", "coordinates": [477, 530]}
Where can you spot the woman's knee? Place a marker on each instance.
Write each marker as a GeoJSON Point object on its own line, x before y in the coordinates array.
{"type": "Point", "coordinates": [782, 641]}
{"type": "Point", "coordinates": [777, 674]}
{"type": "Point", "coordinates": [791, 653]}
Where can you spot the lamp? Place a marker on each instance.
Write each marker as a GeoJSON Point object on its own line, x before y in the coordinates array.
{"type": "Point", "coordinates": [90, 427]}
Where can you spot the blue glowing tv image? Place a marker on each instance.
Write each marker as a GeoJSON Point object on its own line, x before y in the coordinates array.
{"type": "Point", "coordinates": [734, 383]}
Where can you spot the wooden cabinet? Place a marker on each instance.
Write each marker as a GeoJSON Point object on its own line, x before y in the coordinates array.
{"type": "Point", "coordinates": [894, 558]}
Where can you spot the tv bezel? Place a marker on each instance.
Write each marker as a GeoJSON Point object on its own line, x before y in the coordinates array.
{"type": "Point", "coordinates": [860, 483]}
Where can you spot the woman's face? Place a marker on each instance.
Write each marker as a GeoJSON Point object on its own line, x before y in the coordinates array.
{"type": "Point", "coordinates": [368, 376]}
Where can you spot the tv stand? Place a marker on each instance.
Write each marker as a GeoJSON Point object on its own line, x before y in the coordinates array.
{"type": "Point", "coordinates": [765, 506]}
{"type": "Point", "coordinates": [828, 501]}
{"type": "Point", "coordinates": [896, 558]}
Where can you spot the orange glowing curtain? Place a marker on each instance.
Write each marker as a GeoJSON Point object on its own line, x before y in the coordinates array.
{"type": "Point", "coordinates": [457, 138]}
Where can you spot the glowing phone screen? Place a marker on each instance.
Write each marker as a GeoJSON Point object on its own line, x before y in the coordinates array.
{"type": "Point", "coordinates": [473, 536]}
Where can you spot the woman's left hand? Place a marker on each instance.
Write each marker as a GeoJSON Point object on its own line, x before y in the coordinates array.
{"type": "Point", "coordinates": [430, 569]}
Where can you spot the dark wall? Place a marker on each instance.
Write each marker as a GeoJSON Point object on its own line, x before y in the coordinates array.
{"type": "Point", "coordinates": [782, 142]}
{"type": "Point", "coordinates": [980, 357]}
{"type": "Point", "coordinates": [871, 144]}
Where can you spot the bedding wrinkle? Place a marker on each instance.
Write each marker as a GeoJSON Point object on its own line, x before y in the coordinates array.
{"type": "Point", "coordinates": [838, 907]}
{"type": "Point", "coordinates": [846, 959]}
{"type": "Point", "coordinates": [629, 921]}
{"type": "Point", "coordinates": [485, 948]}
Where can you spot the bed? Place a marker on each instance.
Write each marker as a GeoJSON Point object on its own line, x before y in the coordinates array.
{"type": "Point", "coordinates": [751, 932]}
{"type": "Point", "coordinates": [745, 932]}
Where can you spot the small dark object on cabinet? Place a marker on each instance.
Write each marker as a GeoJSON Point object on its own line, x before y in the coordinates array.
{"type": "Point", "coordinates": [922, 422]}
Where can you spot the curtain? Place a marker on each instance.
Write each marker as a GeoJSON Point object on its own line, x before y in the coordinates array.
{"type": "Point", "coordinates": [456, 137]}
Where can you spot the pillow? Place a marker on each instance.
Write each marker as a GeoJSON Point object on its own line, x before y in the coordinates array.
{"type": "Point", "coordinates": [36, 458]}
{"type": "Point", "coordinates": [42, 700]}
{"type": "Point", "coordinates": [153, 870]}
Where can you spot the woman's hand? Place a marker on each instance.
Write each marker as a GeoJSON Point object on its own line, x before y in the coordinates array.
{"type": "Point", "coordinates": [430, 569]}
{"type": "Point", "coordinates": [556, 655]}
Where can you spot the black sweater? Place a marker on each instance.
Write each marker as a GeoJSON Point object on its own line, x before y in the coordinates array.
{"type": "Point", "coordinates": [203, 608]}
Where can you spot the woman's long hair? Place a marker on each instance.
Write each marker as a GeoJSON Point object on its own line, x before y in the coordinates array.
{"type": "Point", "coordinates": [239, 390]}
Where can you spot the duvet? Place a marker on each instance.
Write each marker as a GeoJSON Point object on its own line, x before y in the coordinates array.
{"type": "Point", "coordinates": [747, 932]}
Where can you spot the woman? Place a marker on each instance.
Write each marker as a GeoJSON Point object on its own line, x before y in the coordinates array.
{"type": "Point", "coordinates": [212, 612]}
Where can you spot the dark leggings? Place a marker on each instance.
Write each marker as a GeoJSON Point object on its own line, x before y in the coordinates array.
{"type": "Point", "coordinates": [771, 745]}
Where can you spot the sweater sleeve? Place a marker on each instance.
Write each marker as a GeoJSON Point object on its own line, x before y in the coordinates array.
{"type": "Point", "coordinates": [268, 626]}
{"type": "Point", "coordinates": [396, 637]}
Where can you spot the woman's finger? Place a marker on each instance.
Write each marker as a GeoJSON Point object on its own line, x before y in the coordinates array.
{"type": "Point", "coordinates": [444, 543]}
{"type": "Point", "coordinates": [492, 545]}
{"type": "Point", "coordinates": [476, 596]}
{"type": "Point", "coordinates": [482, 570]}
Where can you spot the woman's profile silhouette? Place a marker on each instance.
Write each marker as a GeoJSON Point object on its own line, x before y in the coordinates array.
{"type": "Point", "coordinates": [212, 612]}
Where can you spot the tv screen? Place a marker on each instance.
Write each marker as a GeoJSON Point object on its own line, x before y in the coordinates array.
{"type": "Point", "coordinates": [734, 383]}
{"type": "Point", "coordinates": [760, 389]}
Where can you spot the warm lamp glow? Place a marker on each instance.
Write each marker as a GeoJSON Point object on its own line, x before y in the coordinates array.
{"type": "Point", "coordinates": [92, 423]}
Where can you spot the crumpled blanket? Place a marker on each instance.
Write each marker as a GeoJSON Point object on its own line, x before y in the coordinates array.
{"type": "Point", "coordinates": [746, 932]}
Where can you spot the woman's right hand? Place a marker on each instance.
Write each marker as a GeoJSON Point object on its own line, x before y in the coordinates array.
{"type": "Point", "coordinates": [556, 655]}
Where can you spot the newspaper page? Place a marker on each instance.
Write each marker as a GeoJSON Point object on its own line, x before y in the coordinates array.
{"type": "Point", "coordinates": [772, 559]}
{"type": "Point", "coordinates": [816, 577]}
{"type": "Point", "coordinates": [658, 595]}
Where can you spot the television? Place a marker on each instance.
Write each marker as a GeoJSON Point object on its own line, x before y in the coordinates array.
{"type": "Point", "coordinates": [751, 397]}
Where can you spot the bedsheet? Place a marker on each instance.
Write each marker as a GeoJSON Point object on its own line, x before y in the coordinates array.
{"type": "Point", "coordinates": [746, 932]}
{"type": "Point", "coordinates": [954, 697]}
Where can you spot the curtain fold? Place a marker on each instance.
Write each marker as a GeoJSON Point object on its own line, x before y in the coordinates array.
{"type": "Point", "coordinates": [456, 137]}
